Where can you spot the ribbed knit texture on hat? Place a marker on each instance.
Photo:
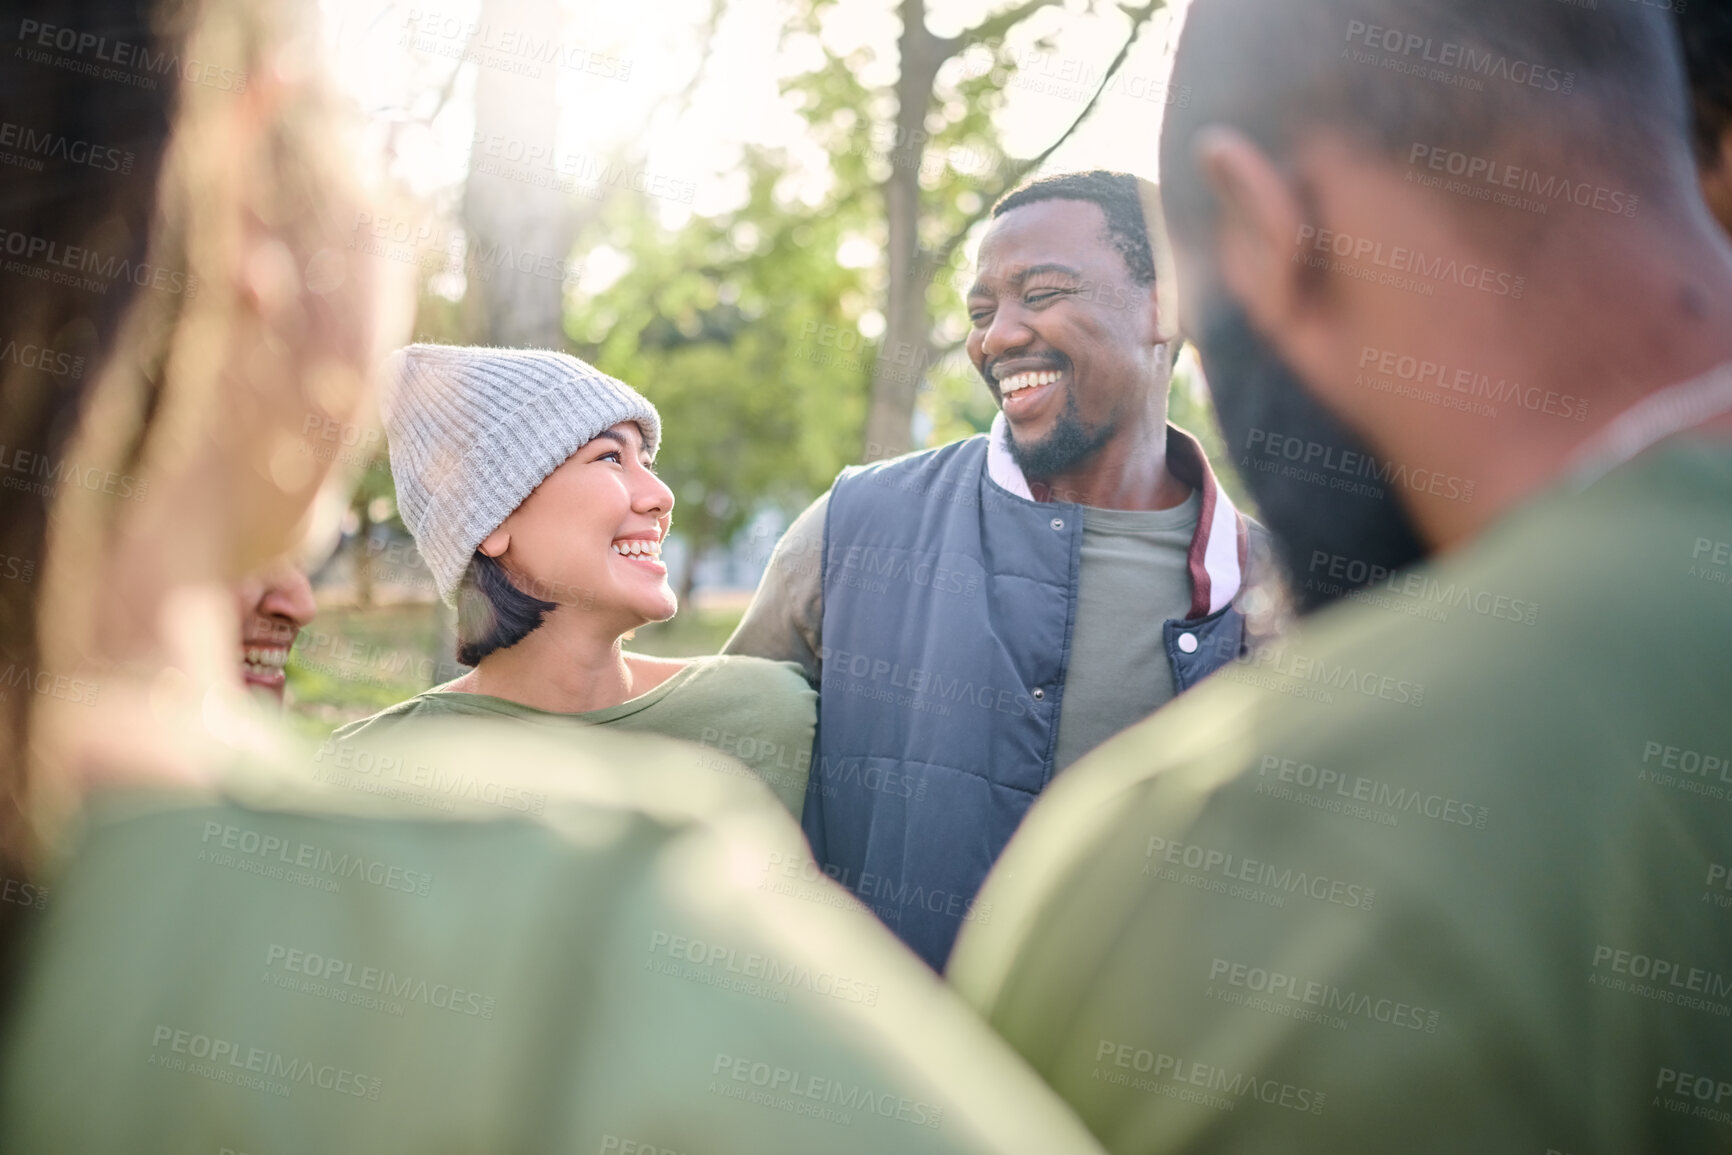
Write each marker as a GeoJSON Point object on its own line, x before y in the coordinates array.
{"type": "Point", "coordinates": [473, 431]}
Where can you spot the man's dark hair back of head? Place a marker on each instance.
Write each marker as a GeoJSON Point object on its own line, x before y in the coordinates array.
{"type": "Point", "coordinates": [1571, 90]}
{"type": "Point", "coordinates": [1705, 26]}
{"type": "Point", "coordinates": [1124, 199]}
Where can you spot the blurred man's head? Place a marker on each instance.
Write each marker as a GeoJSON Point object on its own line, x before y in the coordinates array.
{"type": "Point", "coordinates": [275, 605]}
{"type": "Point", "coordinates": [1706, 30]}
{"type": "Point", "coordinates": [1066, 329]}
{"type": "Point", "coordinates": [1376, 204]}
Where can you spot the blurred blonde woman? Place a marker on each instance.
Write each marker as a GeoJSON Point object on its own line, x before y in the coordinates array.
{"type": "Point", "coordinates": [528, 480]}
{"type": "Point", "coordinates": [227, 954]}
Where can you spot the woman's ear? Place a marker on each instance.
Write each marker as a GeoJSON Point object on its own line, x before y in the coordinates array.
{"type": "Point", "coordinates": [496, 542]}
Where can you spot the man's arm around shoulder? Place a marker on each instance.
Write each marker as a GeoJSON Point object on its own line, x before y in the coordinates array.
{"type": "Point", "coordinates": [786, 615]}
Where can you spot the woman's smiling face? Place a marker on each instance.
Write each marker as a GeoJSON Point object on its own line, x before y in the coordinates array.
{"type": "Point", "coordinates": [590, 535]}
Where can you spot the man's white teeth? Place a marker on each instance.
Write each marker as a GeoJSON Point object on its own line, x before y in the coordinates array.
{"type": "Point", "coordinates": [273, 658]}
{"type": "Point", "coordinates": [638, 547]}
{"type": "Point", "coordinates": [1025, 381]}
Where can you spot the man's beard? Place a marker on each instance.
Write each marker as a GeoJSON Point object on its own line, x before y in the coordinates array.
{"type": "Point", "coordinates": [1070, 443]}
{"type": "Point", "coordinates": [1313, 524]}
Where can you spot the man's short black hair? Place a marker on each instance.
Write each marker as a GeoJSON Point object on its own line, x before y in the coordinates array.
{"type": "Point", "coordinates": [1545, 86]}
{"type": "Point", "coordinates": [492, 613]}
{"type": "Point", "coordinates": [1705, 27]}
{"type": "Point", "coordinates": [1122, 197]}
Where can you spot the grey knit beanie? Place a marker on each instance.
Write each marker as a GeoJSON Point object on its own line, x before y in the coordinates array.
{"type": "Point", "coordinates": [473, 431]}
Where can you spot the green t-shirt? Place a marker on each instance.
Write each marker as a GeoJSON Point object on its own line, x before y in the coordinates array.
{"type": "Point", "coordinates": [1132, 578]}
{"type": "Point", "coordinates": [1444, 871]}
{"type": "Point", "coordinates": [648, 962]}
{"type": "Point", "coordinates": [741, 709]}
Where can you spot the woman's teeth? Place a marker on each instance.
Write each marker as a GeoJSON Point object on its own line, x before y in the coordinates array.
{"type": "Point", "coordinates": [638, 547]}
{"type": "Point", "coordinates": [1026, 381]}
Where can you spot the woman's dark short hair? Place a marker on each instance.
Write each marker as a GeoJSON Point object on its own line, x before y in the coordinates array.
{"type": "Point", "coordinates": [492, 612]}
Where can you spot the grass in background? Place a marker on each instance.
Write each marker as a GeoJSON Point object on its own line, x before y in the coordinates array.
{"type": "Point", "coordinates": [354, 662]}
{"type": "Point", "coordinates": [693, 632]}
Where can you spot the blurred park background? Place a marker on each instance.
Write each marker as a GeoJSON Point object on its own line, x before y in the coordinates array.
{"type": "Point", "coordinates": [760, 213]}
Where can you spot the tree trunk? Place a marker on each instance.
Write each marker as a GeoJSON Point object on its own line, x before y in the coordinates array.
{"type": "Point", "coordinates": [520, 230]}
{"type": "Point", "coordinates": [364, 556]}
{"type": "Point", "coordinates": [445, 664]}
{"type": "Point", "coordinates": [520, 226]}
{"type": "Point", "coordinates": [906, 352]}
{"type": "Point", "coordinates": [698, 531]}
{"type": "Point", "coordinates": [689, 578]}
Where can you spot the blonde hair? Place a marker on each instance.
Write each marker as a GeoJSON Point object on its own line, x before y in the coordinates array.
{"type": "Point", "coordinates": [248, 143]}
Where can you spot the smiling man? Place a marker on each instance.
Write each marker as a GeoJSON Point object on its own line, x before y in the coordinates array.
{"type": "Point", "coordinates": [981, 615]}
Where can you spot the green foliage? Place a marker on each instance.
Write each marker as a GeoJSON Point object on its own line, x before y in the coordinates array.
{"type": "Point", "coordinates": [743, 329]}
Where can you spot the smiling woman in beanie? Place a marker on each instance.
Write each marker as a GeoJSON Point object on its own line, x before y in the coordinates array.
{"type": "Point", "coordinates": [527, 479]}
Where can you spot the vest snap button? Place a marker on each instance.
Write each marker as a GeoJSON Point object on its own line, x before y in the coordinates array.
{"type": "Point", "coordinates": [1058, 523]}
{"type": "Point", "coordinates": [1039, 694]}
{"type": "Point", "coordinates": [1188, 643]}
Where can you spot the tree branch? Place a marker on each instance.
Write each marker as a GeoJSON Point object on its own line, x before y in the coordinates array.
{"type": "Point", "coordinates": [994, 27]}
{"type": "Point", "coordinates": [1013, 171]}
{"type": "Point", "coordinates": [706, 46]}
